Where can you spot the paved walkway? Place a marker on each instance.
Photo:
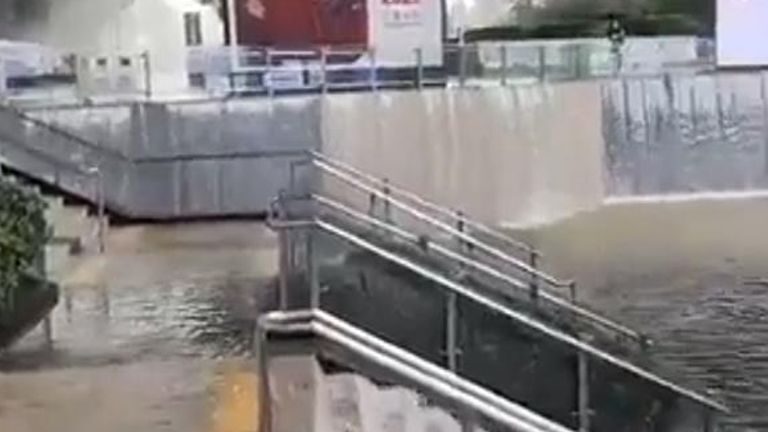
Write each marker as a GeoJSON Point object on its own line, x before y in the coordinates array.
{"type": "Point", "coordinates": [154, 336]}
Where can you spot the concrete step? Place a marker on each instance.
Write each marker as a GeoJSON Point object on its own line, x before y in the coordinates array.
{"type": "Point", "coordinates": [306, 399]}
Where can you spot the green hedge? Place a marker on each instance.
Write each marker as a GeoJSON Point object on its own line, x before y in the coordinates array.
{"type": "Point", "coordinates": [23, 234]}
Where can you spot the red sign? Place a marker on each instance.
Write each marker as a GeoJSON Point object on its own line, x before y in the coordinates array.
{"type": "Point", "coordinates": [303, 23]}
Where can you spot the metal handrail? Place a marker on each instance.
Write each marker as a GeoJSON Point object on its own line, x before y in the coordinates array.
{"type": "Point", "coordinates": [64, 133]}
{"type": "Point", "coordinates": [468, 396]}
{"type": "Point", "coordinates": [432, 206]}
{"type": "Point", "coordinates": [520, 318]}
{"type": "Point", "coordinates": [484, 268]}
{"type": "Point", "coordinates": [470, 240]}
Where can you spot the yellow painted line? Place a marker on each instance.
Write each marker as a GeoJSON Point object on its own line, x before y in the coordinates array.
{"type": "Point", "coordinates": [236, 401]}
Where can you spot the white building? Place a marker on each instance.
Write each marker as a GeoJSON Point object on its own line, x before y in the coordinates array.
{"type": "Point", "coordinates": [113, 34]}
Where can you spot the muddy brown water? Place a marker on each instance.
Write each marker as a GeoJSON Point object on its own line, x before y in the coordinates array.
{"type": "Point", "coordinates": [157, 336]}
{"type": "Point", "coordinates": [690, 273]}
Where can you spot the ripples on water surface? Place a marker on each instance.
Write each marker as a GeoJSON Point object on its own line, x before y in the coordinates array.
{"type": "Point", "coordinates": [684, 273]}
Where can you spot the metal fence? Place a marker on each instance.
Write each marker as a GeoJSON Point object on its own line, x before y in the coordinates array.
{"type": "Point", "coordinates": [219, 71]}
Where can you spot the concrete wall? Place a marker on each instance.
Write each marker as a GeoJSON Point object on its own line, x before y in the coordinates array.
{"type": "Point", "coordinates": [506, 155]}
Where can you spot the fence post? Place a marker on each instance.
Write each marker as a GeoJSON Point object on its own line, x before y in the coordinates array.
{"type": "Point", "coordinates": [583, 384]}
{"type": "Point", "coordinates": [387, 205]}
{"type": "Point", "coordinates": [284, 253]}
{"type": "Point", "coordinates": [147, 75]}
{"type": "Point", "coordinates": [314, 283]}
{"type": "Point", "coordinates": [267, 79]}
{"type": "Point", "coordinates": [100, 207]}
{"type": "Point", "coordinates": [542, 63]}
{"type": "Point", "coordinates": [534, 283]}
{"type": "Point", "coordinates": [373, 73]}
{"type": "Point", "coordinates": [324, 69]}
{"type": "Point", "coordinates": [462, 64]}
{"type": "Point", "coordinates": [419, 68]}
{"type": "Point", "coordinates": [503, 58]}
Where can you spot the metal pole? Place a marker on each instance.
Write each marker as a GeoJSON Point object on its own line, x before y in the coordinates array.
{"type": "Point", "coordinates": [232, 29]}
{"type": "Point", "coordinates": [284, 258]}
{"type": "Point", "coordinates": [267, 78]}
{"type": "Point", "coordinates": [542, 63]}
{"type": "Point", "coordinates": [147, 75]}
{"type": "Point", "coordinates": [462, 64]}
{"type": "Point", "coordinates": [503, 53]}
{"type": "Point", "coordinates": [324, 69]}
{"type": "Point", "coordinates": [534, 283]}
{"type": "Point", "coordinates": [583, 377]}
{"type": "Point", "coordinates": [373, 74]}
{"type": "Point", "coordinates": [572, 290]}
{"type": "Point", "coordinates": [314, 283]}
{"type": "Point", "coordinates": [419, 68]}
{"type": "Point", "coordinates": [100, 207]}
{"type": "Point", "coordinates": [387, 205]}
{"type": "Point", "coordinates": [451, 336]}
{"type": "Point", "coordinates": [265, 395]}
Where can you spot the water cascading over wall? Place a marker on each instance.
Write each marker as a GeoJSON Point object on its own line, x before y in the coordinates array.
{"type": "Point", "coordinates": [517, 155]}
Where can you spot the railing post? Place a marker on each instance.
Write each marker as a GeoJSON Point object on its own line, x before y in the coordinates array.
{"type": "Point", "coordinates": [533, 259]}
{"type": "Point", "coordinates": [147, 75]}
{"type": "Point", "coordinates": [504, 66]}
{"type": "Point", "coordinates": [314, 283]}
{"type": "Point", "coordinates": [267, 79]}
{"type": "Point", "coordinates": [462, 64]}
{"type": "Point", "coordinates": [387, 205]}
{"type": "Point", "coordinates": [583, 391]}
{"type": "Point", "coordinates": [373, 72]}
{"type": "Point", "coordinates": [542, 63]}
{"type": "Point", "coordinates": [324, 69]}
{"type": "Point", "coordinates": [572, 291]}
{"type": "Point", "coordinates": [419, 68]}
{"type": "Point", "coordinates": [100, 207]}
{"type": "Point", "coordinates": [265, 394]}
{"type": "Point", "coordinates": [284, 253]}
{"type": "Point", "coordinates": [451, 331]}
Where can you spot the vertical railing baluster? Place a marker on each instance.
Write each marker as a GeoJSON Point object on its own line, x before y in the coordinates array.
{"type": "Point", "coordinates": [504, 66]}
{"type": "Point", "coordinates": [314, 283]}
{"type": "Point", "coordinates": [419, 68]}
{"type": "Point", "coordinates": [583, 390]}
{"type": "Point", "coordinates": [533, 259]}
{"type": "Point", "coordinates": [387, 205]}
{"type": "Point", "coordinates": [324, 69]}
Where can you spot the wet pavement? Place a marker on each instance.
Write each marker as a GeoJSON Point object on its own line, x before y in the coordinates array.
{"type": "Point", "coordinates": [155, 336]}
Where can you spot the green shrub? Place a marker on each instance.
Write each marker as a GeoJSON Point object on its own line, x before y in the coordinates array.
{"type": "Point", "coordinates": [23, 234]}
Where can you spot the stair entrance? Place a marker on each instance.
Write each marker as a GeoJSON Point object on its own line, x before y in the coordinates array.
{"type": "Point", "coordinates": [465, 299]}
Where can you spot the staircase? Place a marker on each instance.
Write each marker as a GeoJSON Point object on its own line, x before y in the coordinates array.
{"type": "Point", "coordinates": [351, 402]}
{"type": "Point", "coordinates": [467, 299]}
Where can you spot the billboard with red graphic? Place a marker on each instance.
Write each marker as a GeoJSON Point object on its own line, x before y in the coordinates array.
{"type": "Point", "coordinates": [399, 31]}
{"type": "Point", "coordinates": [302, 23]}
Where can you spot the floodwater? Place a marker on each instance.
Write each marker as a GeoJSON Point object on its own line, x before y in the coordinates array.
{"type": "Point", "coordinates": [155, 336]}
{"type": "Point", "coordinates": [692, 273]}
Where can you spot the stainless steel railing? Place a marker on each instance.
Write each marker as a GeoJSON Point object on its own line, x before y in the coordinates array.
{"type": "Point", "coordinates": [571, 307]}
{"type": "Point", "coordinates": [469, 398]}
{"type": "Point", "coordinates": [391, 196]}
{"type": "Point", "coordinates": [587, 352]}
